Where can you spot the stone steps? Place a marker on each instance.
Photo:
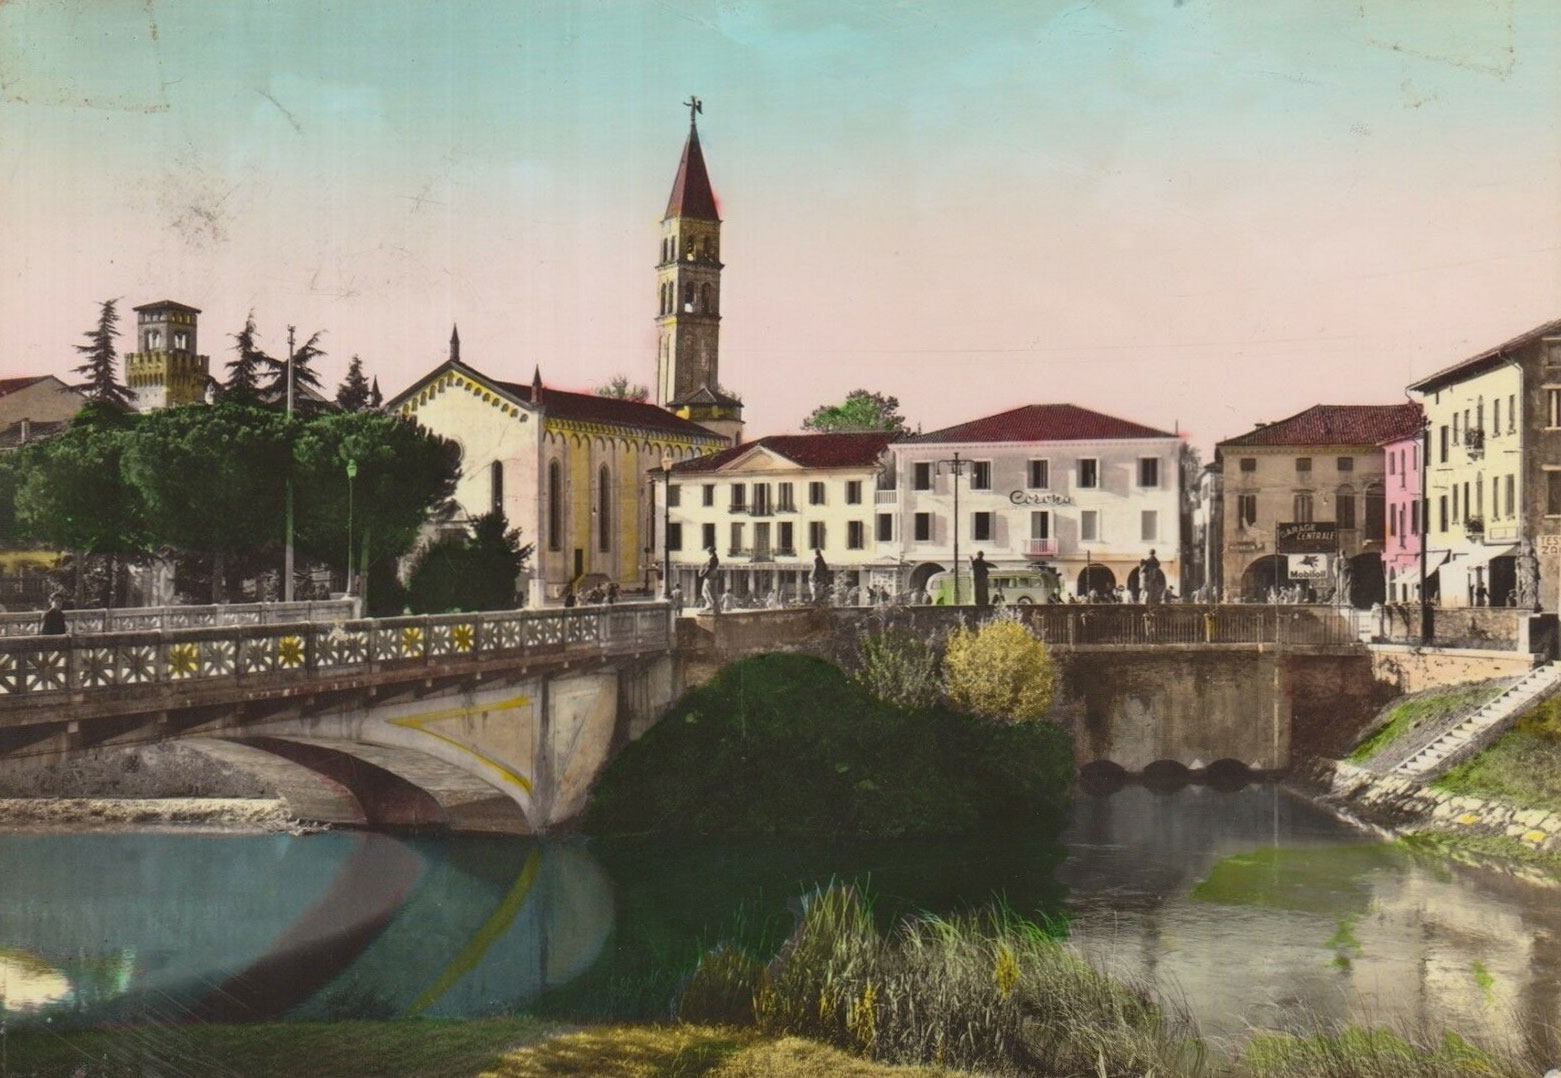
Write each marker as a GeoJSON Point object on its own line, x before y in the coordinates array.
{"type": "Point", "coordinates": [1482, 727]}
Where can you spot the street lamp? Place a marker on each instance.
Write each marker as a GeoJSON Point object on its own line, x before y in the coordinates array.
{"type": "Point", "coordinates": [956, 467]}
{"type": "Point", "coordinates": [1427, 630]}
{"type": "Point", "coordinates": [666, 526]}
{"type": "Point", "coordinates": [287, 552]}
{"type": "Point", "coordinates": [352, 473]}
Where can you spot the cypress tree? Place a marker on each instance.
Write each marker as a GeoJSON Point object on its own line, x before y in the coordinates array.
{"type": "Point", "coordinates": [102, 360]}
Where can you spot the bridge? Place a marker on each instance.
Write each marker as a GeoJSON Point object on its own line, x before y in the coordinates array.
{"type": "Point", "coordinates": [501, 721]}
{"type": "Point", "coordinates": [476, 722]}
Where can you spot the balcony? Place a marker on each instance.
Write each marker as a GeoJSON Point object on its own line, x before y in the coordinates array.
{"type": "Point", "coordinates": [737, 507]}
{"type": "Point", "coordinates": [1040, 548]}
{"type": "Point", "coordinates": [738, 552]}
{"type": "Point", "coordinates": [1474, 442]}
{"type": "Point", "coordinates": [1474, 528]}
{"type": "Point", "coordinates": [763, 553]}
{"type": "Point", "coordinates": [886, 497]}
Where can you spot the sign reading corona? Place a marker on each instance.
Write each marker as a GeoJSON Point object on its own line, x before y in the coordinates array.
{"type": "Point", "coordinates": [1038, 497]}
{"type": "Point", "coordinates": [1306, 538]}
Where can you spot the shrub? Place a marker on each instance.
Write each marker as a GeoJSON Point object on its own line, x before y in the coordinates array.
{"type": "Point", "coordinates": [475, 571]}
{"type": "Point", "coordinates": [988, 992]}
{"type": "Point", "coordinates": [899, 668]}
{"type": "Point", "coordinates": [1000, 670]}
{"type": "Point", "coordinates": [787, 744]}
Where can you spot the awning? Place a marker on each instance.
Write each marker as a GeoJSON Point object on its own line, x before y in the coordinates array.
{"type": "Point", "coordinates": [1482, 557]}
{"type": "Point", "coordinates": [1434, 561]}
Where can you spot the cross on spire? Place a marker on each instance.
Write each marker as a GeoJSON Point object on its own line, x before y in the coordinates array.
{"type": "Point", "coordinates": [694, 106]}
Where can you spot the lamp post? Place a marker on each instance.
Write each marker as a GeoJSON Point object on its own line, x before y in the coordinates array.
{"type": "Point", "coordinates": [352, 473]}
{"type": "Point", "coordinates": [956, 467]}
{"type": "Point", "coordinates": [287, 552]}
{"type": "Point", "coordinates": [666, 526]}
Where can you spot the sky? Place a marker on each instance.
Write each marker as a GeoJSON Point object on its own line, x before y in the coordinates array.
{"type": "Point", "coordinates": [1196, 214]}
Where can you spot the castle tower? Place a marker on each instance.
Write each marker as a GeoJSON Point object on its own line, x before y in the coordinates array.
{"type": "Point", "coordinates": [166, 370]}
{"type": "Point", "coordinates": [688, 279]}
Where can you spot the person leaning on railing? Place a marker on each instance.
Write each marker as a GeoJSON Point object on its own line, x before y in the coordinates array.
{"type": "Point", "coordinates": [54, 619]}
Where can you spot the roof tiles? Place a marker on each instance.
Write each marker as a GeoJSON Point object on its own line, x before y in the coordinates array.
{"type": "Point", "coordinates": [1044, 423]}
{"type": "Point", "coordinates": [1336, 424]}
{"type": "Point", "coordinates": [856, 449]}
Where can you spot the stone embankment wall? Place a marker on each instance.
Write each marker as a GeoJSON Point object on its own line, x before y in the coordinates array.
{"type": "Point", "coordinates": [1408, 807]}
{"type": "Point", "coordinates": [1411, 669]}
{"type": "Point", "coordinates": [1481, 628]}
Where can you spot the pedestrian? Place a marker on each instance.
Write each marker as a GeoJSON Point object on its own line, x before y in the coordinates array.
{"type": "Point", "coordinates": [980, 568]}
{"type": "Point", "coordinates": [612, 593]}
{"type": "Point", "coordinates": [54, 618]}
{"type": "Point", "coordinates": [820, 577]}
{"type": "Point", "coordinates": [569, 597]}
{"type": "Point", "coordinates": [1481, 596]}
{"type": "Point", "coordinates": [677, 601]}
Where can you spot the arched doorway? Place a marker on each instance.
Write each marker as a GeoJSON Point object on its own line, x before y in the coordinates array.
{"type": "Point", "coordinates": [1096, 578]}
{"type": "Point", "coordinates": [1367, 583]}
{"type": "Point", "coordinates": [1269, 571]}
{"type": "Point", "coordinates": [923, 573]}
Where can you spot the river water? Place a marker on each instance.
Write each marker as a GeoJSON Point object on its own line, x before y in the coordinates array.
{"type": "Point", "coordinates": [1253, 905]}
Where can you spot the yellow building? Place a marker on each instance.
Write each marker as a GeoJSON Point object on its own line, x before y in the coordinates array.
{"type": "Point", "coordinates": [1493, 478]}
{"type": "Point", "coordinates": [571, 470]}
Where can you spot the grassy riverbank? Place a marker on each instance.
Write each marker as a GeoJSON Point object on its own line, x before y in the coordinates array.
{"type": "Point", "coordinates": [1416, 712]}
{"type": "Point", "coordinates": [1522, 767]}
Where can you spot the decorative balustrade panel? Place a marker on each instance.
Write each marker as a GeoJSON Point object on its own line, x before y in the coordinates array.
{"type": "Point", "coordinates": [162, 618]}
{"type": "Point", "coordinates": [95, 661]}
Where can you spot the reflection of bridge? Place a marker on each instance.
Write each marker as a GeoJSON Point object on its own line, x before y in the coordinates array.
{"type": "Point", "coordinates": [493, 721]}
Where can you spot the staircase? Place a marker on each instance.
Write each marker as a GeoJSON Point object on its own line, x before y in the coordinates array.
{"type": "Point", "coordinates": [1484, 726]}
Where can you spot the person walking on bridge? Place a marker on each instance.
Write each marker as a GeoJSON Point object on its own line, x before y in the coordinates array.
{"type": "Point", "coordinates": [54, 618]}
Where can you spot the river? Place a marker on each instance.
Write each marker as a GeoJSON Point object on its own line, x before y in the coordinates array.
{"type": "Point", "coordinates": [1254, 905]}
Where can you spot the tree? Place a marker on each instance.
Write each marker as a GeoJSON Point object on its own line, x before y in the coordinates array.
{"type": "Point", "coordinates": [469, 571]}
{"type": "Point", "coordinates": [376, 398]}
{"type": "Point", "coordinates": [860, 411]}
{"type": "Point", "coordinates": [620, 388]}
{"type": "Point", "coordinates": [211, 480]}
{"type": "Point", "coordinates": [354, 393]}
{"type": "Point", "coordinates": [1000, 670]}
{"type": "Point", "coordinates": [71, 493]}
{"type": "Point", "coordinates": [304, 374]}
{"type": "Point", "coordinates": [244, 372]}
{"type": "Point", "coordinates": [404, 475]}
{"type": "Point", "coordinates": [101, 368]}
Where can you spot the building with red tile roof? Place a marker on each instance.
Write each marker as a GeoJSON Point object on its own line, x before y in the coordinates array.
{"type": "Point", "coordinates": [1040, 488]}
{"type": "Point", "coordinates": [1322, 467]}
{"type": "Point", "coordinates": [36, 405]}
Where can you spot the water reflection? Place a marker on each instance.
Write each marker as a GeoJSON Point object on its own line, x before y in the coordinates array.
{"type": "Point", "coordinates": [1252, 903]}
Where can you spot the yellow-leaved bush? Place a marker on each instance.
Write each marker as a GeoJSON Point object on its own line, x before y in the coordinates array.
{"type": "Point", "coordinates": [1000, 670]}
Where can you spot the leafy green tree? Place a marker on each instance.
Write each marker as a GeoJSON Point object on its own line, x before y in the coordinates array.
{"type": "Point", "coordinates": [860, 411]}
{"type": "Point", "coordinates": [244, 371]}
{"type": "Point", "coordinates": [620, 388]}
{"type": "Point", "coordinates": [211, 480]}
{"type": "Point", "coordinates": [474, 571]}
{"type": "Point", "coordinates": [71, 494]}
{"type": "Point", "coordinates": [404, 475]}
{"type": "Point", "coordinates": [353, 394]}
{"type": "Point", "coordinates": [101, 368]}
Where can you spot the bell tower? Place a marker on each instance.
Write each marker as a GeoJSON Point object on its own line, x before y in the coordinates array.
{"type": "Point", "coordinates": [688, 313]}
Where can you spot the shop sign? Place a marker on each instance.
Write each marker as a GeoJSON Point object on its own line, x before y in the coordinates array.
{"type": "Point", "coordinates": [1245, 546]}
{"type": "Point", "coordinates": [1038, 497]}
{"type": "Point", "coordinates": [1306, 538]}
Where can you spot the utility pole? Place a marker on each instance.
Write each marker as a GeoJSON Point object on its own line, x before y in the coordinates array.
{"type": "Point", "coordinates": [956, 468]}
{"type": "Point", "coordinates": [287, 554]}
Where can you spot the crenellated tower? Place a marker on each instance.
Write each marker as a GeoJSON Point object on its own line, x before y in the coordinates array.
{"type": "Point", "coordinates": [688, 279]}
{"type": "Point", "coordinates": [166, 370]}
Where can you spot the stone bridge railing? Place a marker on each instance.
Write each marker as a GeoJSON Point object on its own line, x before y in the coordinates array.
{"type": "Point", "coordinates": [131, 618]}
{"type": "Point", "coordinates": [44, 671]}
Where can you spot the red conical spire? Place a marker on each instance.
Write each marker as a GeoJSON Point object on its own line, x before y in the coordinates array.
{"type": "Point", "coordinates": [692, 195]}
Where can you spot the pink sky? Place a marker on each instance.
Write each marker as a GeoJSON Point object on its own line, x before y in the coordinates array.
{"type": "Point", "coordinates": [1199, 213]}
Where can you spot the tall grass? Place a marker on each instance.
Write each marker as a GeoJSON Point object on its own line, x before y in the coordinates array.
{"type": "Point", "coordinates": [998, 995]}
{"type": "Point", "coordinates": [987, 992]}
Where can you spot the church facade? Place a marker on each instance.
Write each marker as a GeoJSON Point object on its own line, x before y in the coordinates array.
{"type": "Point", "coordinates": [577, 472]}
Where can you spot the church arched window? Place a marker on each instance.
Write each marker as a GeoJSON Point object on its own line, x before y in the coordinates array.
{"type": "Point", "coordinates": [603, 511]}
{"type": "Point", "coordinates": [555, 508]}
{"type": "Point", "coordinates": [688, 297]}
{"type": "Point", "coordinates": [496, 486]}
{"type": "Point", "coordinates": [705, 306]}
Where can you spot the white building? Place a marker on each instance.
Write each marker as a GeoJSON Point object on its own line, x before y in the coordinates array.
{"type": "Point", "coordinates": [766, 506]}
{"type": "Point", "coordinates": [1089, 494]}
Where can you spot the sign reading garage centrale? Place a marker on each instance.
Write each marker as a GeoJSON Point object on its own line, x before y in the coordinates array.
{"type": "Point", "coordinates": [1038, 497]}
{"type": "Point", "coordinates": [1306, 538]}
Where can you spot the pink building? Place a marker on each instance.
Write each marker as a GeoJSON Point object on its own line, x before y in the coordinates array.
{"type": "Point", "coordinates": [1401, 546]}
